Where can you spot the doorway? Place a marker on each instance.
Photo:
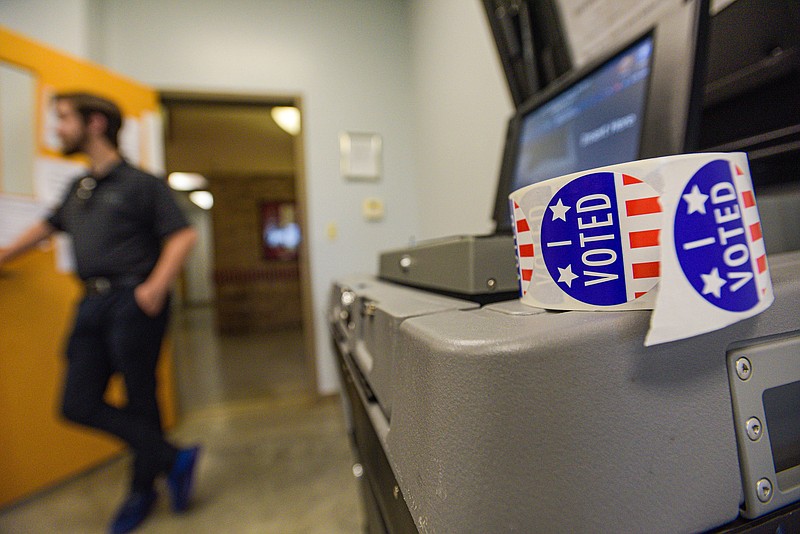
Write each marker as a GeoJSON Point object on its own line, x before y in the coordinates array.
{"type": "Point", "coordinates": [243, 330]}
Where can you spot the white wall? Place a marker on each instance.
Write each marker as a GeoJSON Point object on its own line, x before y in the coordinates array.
{"type": "Point", "coordinates": [62, 24]}
{"type": "Point", "coordinates": [421, 73]}
{"type": "Point", "coordinates": [346, 58]}
{"type": "Point", "coordinates": [462, 107]}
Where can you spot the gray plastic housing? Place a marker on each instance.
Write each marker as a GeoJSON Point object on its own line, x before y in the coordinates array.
{"type": "Point", "coordinates": [756, 371]}
{"type": "Point", "coordinates": [507, 418]}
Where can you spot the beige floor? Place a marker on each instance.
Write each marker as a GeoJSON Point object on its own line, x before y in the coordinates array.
{"type": "Point", "coordinates": [274, 459]}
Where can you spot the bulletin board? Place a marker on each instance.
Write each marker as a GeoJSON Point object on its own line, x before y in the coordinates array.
{"type": "Point", "coordinates": [37, 292]}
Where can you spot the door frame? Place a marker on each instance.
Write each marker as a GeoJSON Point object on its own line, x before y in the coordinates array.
{"type": "Point", "coordinates": [304, 264]}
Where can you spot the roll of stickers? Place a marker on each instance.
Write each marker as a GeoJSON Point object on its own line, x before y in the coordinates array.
{"type": "Point", "coordinates": [680, 235]}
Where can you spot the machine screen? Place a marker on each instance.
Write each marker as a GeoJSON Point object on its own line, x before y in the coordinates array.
{"type": "Point", "coordinates": [596, 122]}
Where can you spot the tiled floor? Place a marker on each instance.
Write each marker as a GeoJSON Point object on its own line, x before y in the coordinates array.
{"type": "Point", "coordinates": [274, 460]}
{"type": "Point", "coordinates": [211, 369]}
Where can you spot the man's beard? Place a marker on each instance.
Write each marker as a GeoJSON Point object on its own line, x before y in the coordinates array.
{"type": "Point", "coordinates": [70, 148]}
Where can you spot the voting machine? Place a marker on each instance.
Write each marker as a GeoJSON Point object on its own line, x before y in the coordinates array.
{"type": "Point", "coordinates": [470, 411]}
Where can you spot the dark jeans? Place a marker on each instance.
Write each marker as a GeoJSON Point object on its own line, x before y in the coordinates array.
{"type": "Point", "coordinates": [113, 335]}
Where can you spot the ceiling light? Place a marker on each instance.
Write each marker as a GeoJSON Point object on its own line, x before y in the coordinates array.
{"type": "Point", "coordinates": [288, 118]}
{"type": "Point", "coordinates": [187, 181]}
{"type": "Point", "coordinates": [202, 199]}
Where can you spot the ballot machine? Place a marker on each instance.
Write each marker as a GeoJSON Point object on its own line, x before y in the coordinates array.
{"type": "Point", "coordinates": [470, 411]}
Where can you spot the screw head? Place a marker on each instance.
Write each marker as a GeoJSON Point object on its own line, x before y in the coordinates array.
{"type": "Point", "coordinates": [764, 490]}
{"type": "Point", "coordinates": [348, 298]}
{"type": "Point", "coordinates": [491, 283]}
{"type": "Point", "coordinates": [754, 428]}
{"type": "Point", "coordinates": [743, 368]}
{"type": "Point", "coordinates": [358, 470]}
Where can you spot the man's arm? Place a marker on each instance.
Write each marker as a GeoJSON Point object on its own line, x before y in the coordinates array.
{"type": "Point", "coordinates": [26, 241]}
{"type": "Point", "coordinates": [152, 293]}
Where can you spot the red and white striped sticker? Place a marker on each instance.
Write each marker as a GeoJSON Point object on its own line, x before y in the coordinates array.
{"type": "Point", "coordinates": [640, 208]}
{"type": "Point", "coordinates": [523, 240]}
{"type": "Point", "coordinates": [660, 234]}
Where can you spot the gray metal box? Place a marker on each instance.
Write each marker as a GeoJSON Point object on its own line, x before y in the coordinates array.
{"type": "Point", "coordinates": [468, 265]}
{"type": "Point", "coordinates": [507, 418]}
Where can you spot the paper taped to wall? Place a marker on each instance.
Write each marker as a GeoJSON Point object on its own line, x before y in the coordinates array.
{"type": "Point", "coordinates": [680, 235]}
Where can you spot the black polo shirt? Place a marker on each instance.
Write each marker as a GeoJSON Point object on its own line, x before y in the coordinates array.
{"type": "Point", "coordinates": [119, 229]}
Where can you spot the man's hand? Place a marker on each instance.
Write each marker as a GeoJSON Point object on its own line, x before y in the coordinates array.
{"type": "Point", "coordinates": [26, 241]}
{"type": "Point", "coordinates": [152, 293]}
{"type": "Point", "coordinates": [150, 298]}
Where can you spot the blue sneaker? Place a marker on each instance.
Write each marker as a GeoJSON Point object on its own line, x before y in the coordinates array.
{"type": "Point", "coordinates": [133, 511]}
{"type": "Point", "coordinates": [180, 478]}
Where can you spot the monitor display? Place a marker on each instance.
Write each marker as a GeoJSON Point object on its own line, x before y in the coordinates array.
{"type": "Point", "coordinates": [596, 122]}
{"type": "Point", "coordinates": [642, 100]}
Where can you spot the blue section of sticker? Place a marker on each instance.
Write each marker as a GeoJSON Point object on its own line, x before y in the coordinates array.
{"type": "Point", "coordinates": [581, 242]}
{"type": "Point", "coordinates": [711, 240]}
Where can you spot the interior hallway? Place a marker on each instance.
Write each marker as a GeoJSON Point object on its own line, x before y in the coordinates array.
{"type": "Point", "coordinates": [274, 459]}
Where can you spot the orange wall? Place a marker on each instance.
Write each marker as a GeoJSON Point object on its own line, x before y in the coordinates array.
{"type": "Point", "coordinates": [37, 448]}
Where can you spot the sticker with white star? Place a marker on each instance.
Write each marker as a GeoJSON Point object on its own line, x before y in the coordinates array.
{"type": "Point", "coordinates": [680, 235]}
{"type": "Point", "coordinates": [599, 238]}
{"type": "Point", "coordinates": [713, 239]}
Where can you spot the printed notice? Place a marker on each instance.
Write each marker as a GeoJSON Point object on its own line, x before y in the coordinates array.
{"type": "Point", "coordinates": [16, 215]}
{"type": "Point", "coordinates": [53, 178]}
